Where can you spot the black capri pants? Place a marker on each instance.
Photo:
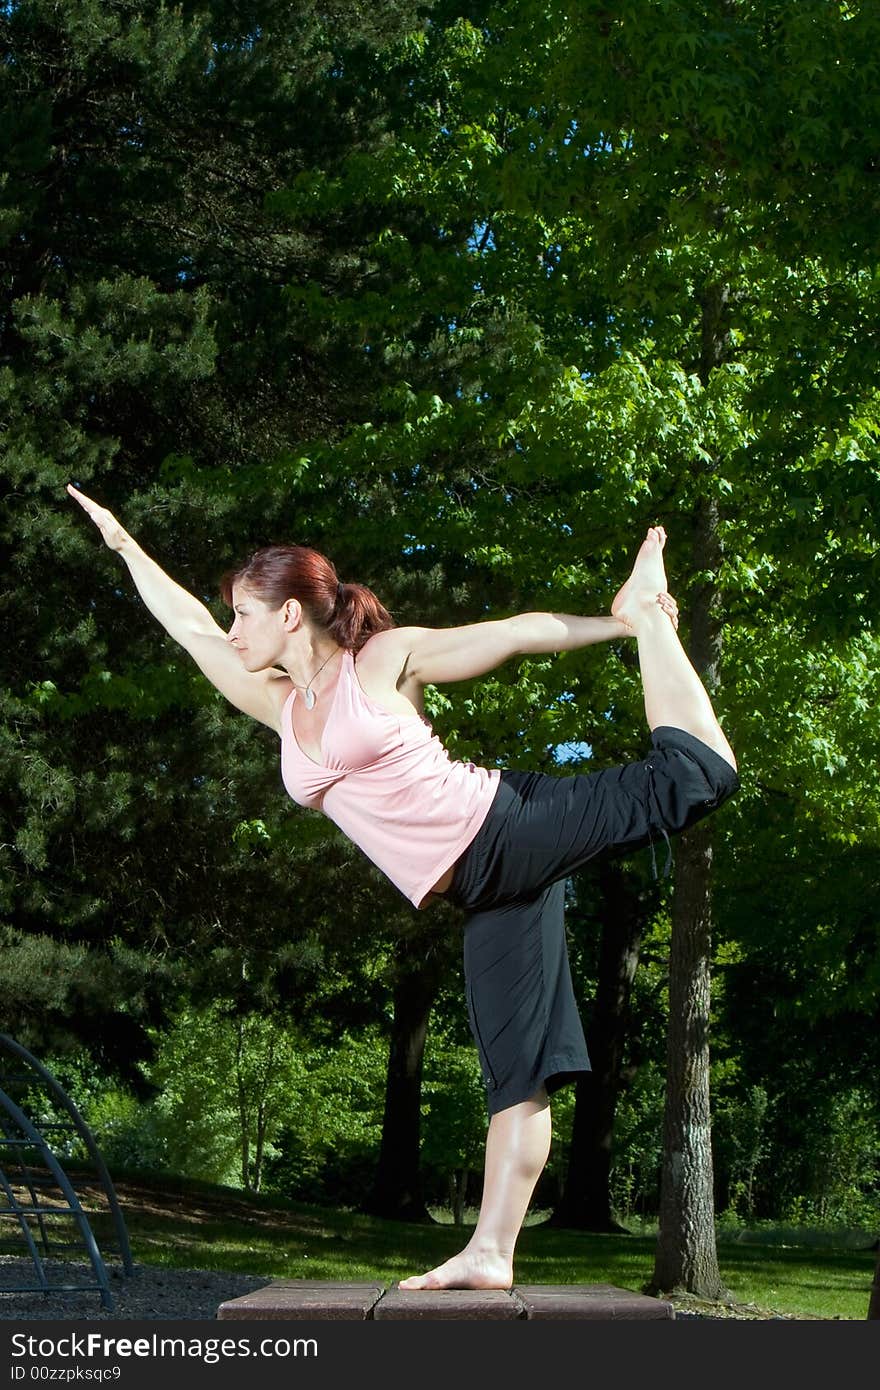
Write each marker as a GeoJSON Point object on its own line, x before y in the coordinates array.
{"type": "Point", "coordinates": [511, 882]}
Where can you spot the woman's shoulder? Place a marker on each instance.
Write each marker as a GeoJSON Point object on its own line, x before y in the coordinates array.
{"type": "Point", "coordinates": [385, 652]}
{"type": "Point", "coordinates": [382, 669]}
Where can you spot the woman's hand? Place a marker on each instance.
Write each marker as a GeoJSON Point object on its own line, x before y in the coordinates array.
{"type": "Point", "coordinates": [670, 608]}
{"type": "Point", "coordinates": [114, 535]}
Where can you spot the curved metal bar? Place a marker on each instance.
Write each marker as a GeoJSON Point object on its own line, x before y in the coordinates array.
{"type": "Point", "coordinates": [88, 1139]}
{"type": "Point", "coordinates": [58, 1173]}
{"type": "Point", "coordinates": [16, 1206]}
{"type": "Point", "coordinates": [27, 1181]}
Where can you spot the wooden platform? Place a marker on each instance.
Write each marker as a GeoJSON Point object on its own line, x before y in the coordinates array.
{"type": "Point", "coordinates": [301, 1301]}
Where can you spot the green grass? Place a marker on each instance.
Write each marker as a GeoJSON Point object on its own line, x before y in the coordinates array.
{"type": "Point", "coordinates": [195, 1226]}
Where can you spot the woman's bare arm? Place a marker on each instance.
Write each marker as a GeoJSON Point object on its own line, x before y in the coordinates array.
{"type": "Point", "coordinates": [188, 621]}
{"type": "Point", "coordinates": [438, 655]}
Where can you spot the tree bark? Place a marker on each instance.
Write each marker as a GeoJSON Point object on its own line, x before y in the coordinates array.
{"type": "Point", "coordinates": [874, 1303]}
{"type": "Point", "coordinates": [397, 1188]}
{"type": "Point", "coordinates": [259, 1146]}
{"type": "Point", "coordinates": [686, 1256]}
{"type": "Point", "coordinates": [243, 1109]}
{"type": "Point", "coordinates": [458, 1183]}
{"type": "Point", "coordinates": [586, 1199]}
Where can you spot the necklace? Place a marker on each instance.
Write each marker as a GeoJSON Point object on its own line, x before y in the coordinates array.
{"type": "Point", "coordinates": [310, 696]}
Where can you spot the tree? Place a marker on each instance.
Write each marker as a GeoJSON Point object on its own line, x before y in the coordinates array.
{"type": "Point", "coordinates": [397, 1188]}
{"type": "Point", "coordinates": [227, 1087]}
{"type": "Point", "coordinates": [543, 284]}
{"type": "Point", "coordinates": [148, 350]}
{"type": "Point", "coordinates": [622, 909]}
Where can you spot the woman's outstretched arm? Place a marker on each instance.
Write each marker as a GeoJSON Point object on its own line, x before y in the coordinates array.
{"type": "Point", "coordinates": [438, 655]}
{"type": "Point", "coordinates": [187, 620]}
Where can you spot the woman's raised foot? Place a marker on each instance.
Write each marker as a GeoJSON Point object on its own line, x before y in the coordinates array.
{"type": "Point", "coordinates": [646, 586]}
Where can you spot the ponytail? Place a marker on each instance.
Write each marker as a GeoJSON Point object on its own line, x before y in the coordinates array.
{"type": "Point", "coordinates": [357, 616]}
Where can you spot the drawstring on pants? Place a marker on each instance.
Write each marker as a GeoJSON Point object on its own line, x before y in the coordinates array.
{"type": "Point", "coordinates": [652, 796]}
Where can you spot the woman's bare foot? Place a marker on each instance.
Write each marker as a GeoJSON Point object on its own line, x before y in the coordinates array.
{"type": "Point", "coordinates": [646, 585]}
{"type": "Point", "coordinates": [467, 1270]}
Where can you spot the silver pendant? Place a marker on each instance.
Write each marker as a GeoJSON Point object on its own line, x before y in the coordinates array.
{"type": "Point", "coordinates": [310, 699]}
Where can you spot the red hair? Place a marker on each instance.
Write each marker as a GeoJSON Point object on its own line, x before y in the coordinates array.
{"type": "Point", "coordinates": [349, 613]}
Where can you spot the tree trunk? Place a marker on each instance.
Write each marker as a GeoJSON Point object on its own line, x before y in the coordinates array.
{"type": "Point", "coordinates": [458, 1184]}
{"type": "Point", "coordinates": [397, 1189]}
{"type": "Point", "coordinates": [686, 1257]}
{"type": "Point", "coordinates": [874, 1303]}
{"type": "Point", "coordinates": [259, 1147]}
{"type": "Point", "coordinates": [586, 1200]}
{"type": "Point", "coordinates": [243, 1109]}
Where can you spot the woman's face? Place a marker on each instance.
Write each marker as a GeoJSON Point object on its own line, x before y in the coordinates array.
{"type": "Point", "coordinates": [258, 633]}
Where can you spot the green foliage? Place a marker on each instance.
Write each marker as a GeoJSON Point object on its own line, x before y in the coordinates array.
{"type": "Point", "coordinates": [227, 1085]}
{"type": "Point", "coordinates": [841, 1158]}
{"type": "Point", "coordinates": [468, 302]}
{"type": "Point", "coordinates": [740, 1141]}
{"type": "Point", "coordinates": [129, 1134]}
{"type": "Point", "coordinates": [638, 1124]}
{"type": "Point", "coordinates": [330, 1142]}
{"type": "Point", "coordinates": [54, 994]}
{"type": "Point", "coordinates": [145, 354]}
{"type": "Point", "coordinates": [246, 1101]}
{"type": "Point", "coordinates": [453, 1121]}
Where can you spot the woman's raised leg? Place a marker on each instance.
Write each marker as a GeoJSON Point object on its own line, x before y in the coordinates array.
{"type": "Point", "coordinates": [517, 1146]}
{"type": "Point", "coordinates": [674, 694]}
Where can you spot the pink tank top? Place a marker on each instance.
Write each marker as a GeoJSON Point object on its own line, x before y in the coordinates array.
{"type": "Point", "coordinates": [389, 784]}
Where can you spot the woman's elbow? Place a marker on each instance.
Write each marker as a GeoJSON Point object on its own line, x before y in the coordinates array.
{"type": "Point", "coordinates": [532, 633]}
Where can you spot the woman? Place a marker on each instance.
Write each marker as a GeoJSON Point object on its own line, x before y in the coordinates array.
{"type": "Point", "coordinates": [322, 664]}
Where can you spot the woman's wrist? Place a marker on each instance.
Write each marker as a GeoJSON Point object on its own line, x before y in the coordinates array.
{"type": "Point", "coordinates": [128, 546]}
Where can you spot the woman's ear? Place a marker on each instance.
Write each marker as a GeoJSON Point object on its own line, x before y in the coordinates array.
{"type": "Point", "coordinates": [292, 612]}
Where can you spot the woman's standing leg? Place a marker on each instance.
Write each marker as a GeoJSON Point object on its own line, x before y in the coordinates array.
{"type": "Point", "coordinates": [517, 1146]}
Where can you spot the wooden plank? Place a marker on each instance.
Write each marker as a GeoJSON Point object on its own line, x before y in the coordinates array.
{"type": "Point", "coordinates": [306, 1300]}
{"type": "Point", "coordinates": [587, 1301]}
{"type": "Point", "coordinates": [300, 1299]}
{"type": "Point", "coordinates": [417, 1305]}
